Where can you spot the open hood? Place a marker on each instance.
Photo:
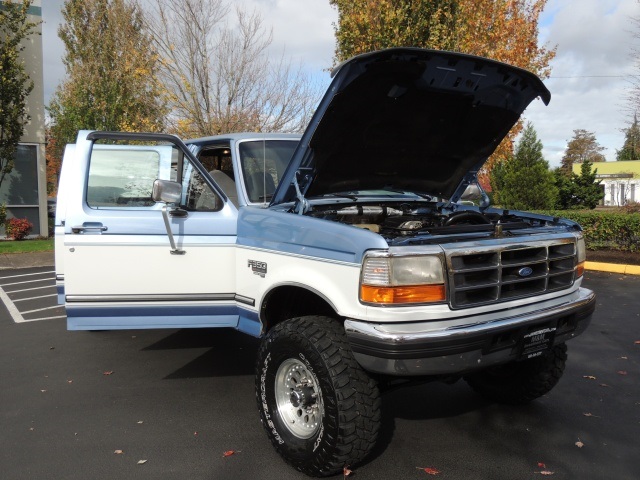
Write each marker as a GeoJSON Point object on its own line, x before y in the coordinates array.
{"type": "Point", "coordinates": [408, 119]}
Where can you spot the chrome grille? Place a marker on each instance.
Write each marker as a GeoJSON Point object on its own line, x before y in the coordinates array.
{"type": "Point", "coordinates": [493, 274]}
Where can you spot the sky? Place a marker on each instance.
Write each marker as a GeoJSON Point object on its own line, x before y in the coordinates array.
{"type": "Point", "coordinates": [589, 82]}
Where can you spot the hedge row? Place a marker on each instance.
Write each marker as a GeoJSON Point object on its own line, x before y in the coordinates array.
{"type": "Point", "coordinates": [605, 230]}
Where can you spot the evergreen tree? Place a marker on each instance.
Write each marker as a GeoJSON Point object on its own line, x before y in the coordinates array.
{"type": "Point", "coordinates": [578, 191]}
{"type": "Point", "coordinates": [15, 85]}
{"type": "Point", "coordinates": [525, 182]}
{"type": "Point", "coordinates": [111, 72]}
{"type": "Point", "coordinates": [583, 147]}
{"type": "Point", "coordinates": [631, 148]}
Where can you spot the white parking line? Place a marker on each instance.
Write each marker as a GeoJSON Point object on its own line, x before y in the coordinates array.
{"type": "Point", "coordinates": [34, 298]}
{"type": "Point", "coordinates": [40, 319]}
{"type": "Point", "coordinates": [27, 281]}
{"type": "Point", "coordinates": [29, 289]}
{"type": "Point", "coordinates": [40, 309]}
{"type": "Point", "coordinates": [26, 274]}
{"type": "Point", "coordinates": [11, 308]}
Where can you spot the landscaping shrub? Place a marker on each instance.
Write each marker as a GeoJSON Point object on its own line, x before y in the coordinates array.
{"type": "Point", "coordinates": [17, 228]}
{"type": "Point", "coordinates": [606, 230]}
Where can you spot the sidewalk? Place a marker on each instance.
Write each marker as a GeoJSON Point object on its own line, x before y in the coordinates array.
{"type": "Point", "coordinates": [45, 259]}
{"type": "Point", "coordinates": [26, 260]}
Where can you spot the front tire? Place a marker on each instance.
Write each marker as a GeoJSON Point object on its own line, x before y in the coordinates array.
{"type": "Point", "coordinates": [320, 410]}
{"type": "Point", "coordinates": [518, 383]}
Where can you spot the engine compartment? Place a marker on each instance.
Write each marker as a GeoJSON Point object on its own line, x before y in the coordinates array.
{"type": "Point", "coordinates": [401, 223]}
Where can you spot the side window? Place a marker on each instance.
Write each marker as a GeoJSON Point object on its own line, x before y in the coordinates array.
{"type": "Point", "coordinates": [197, 195]}
{"type": "Point", "coordinates": [122, 176]}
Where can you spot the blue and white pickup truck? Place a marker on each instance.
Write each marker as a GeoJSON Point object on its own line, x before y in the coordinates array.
{"type": "Point", "coordinates": [361, 253]}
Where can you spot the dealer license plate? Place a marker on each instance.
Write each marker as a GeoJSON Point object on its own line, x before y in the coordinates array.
{"type": "Point", "coordinates": [537, 342]}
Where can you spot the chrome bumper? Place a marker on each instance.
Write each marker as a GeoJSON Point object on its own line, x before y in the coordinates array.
{"type": "Point", "coordinates": [394, 349]}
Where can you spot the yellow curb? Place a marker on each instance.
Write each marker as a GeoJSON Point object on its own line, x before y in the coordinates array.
{"type": "Point", "coordinates": [613, 268]}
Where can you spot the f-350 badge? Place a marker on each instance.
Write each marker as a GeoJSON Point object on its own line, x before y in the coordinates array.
{"type": "Point", "coordinates": [258, 268]}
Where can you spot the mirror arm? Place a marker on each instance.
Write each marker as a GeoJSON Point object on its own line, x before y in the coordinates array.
{"type": "Point", "coordinates": [165, 217]}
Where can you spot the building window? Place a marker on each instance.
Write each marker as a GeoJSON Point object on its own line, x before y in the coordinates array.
{"type": "Point", "coordinates": [19, 189]}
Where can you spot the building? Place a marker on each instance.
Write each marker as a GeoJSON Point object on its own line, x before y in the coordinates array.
{"type": "Point", "coordinates": [620, 181]}
{"type": "Point", "coordinates": [24, 190]}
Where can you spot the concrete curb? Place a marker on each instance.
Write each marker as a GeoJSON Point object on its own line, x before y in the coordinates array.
{"type": "Point", "coordinates": [46, 259]}
{"type": "Point", "coordinates": [613, 268]}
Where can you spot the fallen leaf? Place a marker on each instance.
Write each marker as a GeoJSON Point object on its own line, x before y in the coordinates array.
{"type": "Point", "coordinates": [346, 472]}
{"type": "Point", "coordinates": [142, 462]}
{"type": "Point", "coordinates": [579, 444]}
{"type": "Point", "coordinates": [589, 377]}
{"type": "Point", "coordinates": [108, 372]}
{"type": "Point", "coordinates": [228, 453]}
{"type": "Point", "coordinates": [621, 372]}
{"type": "Point", "coordinates": [429, 470]}
{"type": "Point", "coordinates": [118, 452]}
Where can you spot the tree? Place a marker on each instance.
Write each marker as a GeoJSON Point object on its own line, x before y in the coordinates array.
{"type": "Point", "coordinates": [15, 84]}
{"type": "Point", "coordinates": [111, 69]}
{"type": "Point", "coordinates": [583, 147]}
{"type": "Point", "coordinates": [219, 78]}
{"type": "Point", "coordinates": [53, 162]}
{"type": "Point", "coordinates": [631, 148]}
{"type": "Point", "coordinates": [524, 182]}
{"type": "Point", "coordinates": [578, 191]}
{"type": "Point", "coordinates": [505, 30]}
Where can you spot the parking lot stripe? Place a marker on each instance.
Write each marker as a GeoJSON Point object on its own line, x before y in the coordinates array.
{"type": "Point", "coordinates": [27, 281]}
{"type": "Point", "coordinates": [27, 274]}
{"type": "Point", "coordinates": [11, 308]}
{"type": "Point", "coordinates": [40, 309]}
{"type": "Point", "coordinates": [29, 289]}
{"type": "Point", "coordinates": [26, 320]}
{"type": "Point", "coordinates": [34, 298]}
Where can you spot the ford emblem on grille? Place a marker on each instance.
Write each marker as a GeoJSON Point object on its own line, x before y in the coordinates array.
{"type": "Point", "coordinates": [525, 271]}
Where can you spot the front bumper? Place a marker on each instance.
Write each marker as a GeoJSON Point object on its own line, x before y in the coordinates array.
{"type": "Point", "coordinates": [393, 349]}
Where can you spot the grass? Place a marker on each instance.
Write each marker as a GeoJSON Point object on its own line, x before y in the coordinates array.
{"type": "Point", "coordinates": [27, 246]}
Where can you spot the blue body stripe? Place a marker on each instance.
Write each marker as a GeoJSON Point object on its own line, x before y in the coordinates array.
{"type": "Point", "coordinates": [120, 317]}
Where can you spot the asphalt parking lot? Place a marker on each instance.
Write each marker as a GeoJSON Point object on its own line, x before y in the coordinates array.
{"type": "Point", "coordinates": [167, 404]}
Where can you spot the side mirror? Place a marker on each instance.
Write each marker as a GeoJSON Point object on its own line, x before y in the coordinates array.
{"type": "Point", "coordinates": [166, 191]}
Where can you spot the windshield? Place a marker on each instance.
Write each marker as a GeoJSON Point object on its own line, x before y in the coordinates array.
{"type": "Point", "coordinates": [263, 163]}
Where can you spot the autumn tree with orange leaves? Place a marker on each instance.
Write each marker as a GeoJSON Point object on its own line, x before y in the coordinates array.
{"type": "Point", "coordinates": [504, 30]}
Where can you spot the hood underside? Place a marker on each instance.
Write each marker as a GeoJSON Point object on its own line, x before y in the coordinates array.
{"type": "Point", "coordinates": [409, 119]}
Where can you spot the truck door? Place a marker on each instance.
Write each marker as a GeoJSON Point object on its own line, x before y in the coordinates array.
{"type": "Point", "coordinates": [120, 271]}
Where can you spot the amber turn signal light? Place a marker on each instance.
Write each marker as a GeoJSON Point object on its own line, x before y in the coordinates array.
{"type": "Point", "coordinates": [403, 295]}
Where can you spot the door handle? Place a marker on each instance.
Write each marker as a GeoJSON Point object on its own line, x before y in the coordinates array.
{"type": "Point", "coordinates": [93, 227]}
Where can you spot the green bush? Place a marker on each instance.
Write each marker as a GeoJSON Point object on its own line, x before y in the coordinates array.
{"type": "Point", "coordinates": [606, 230]}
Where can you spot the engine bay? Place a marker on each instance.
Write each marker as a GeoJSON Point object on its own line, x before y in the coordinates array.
{"type": "Point", "coordinates": [402, 223]}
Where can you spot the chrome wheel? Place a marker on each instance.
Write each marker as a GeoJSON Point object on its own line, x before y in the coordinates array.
{"type": "Point", "coordinates": [298, 398]}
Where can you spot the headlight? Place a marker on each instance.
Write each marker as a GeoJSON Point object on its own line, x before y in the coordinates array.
{"type": "Point", "coordinates": [388, 280]}
{"type": "Point", "coordinates": [581, 254]}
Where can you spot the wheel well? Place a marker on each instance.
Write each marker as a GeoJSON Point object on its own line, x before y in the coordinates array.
{"type": "Point", "coordinates": [291, 301]}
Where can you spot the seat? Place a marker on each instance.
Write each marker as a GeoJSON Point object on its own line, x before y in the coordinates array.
{"type": "Point", "coordinates": [227, 185]}
{"type": "Point", "coordinates": [258, 183]}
